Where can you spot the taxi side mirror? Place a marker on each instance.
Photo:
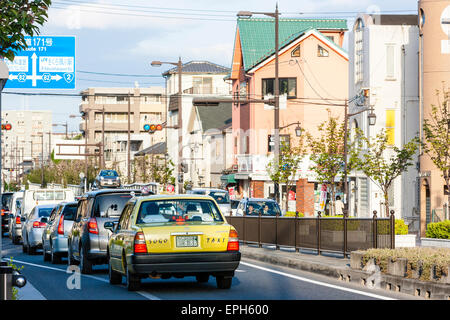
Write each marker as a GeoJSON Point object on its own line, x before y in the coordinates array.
{"type": "Point", "coordinates": [240, 212]}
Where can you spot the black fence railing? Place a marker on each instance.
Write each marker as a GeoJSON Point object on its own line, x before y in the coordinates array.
{"type": "Point", "coordinates": [341, 235]}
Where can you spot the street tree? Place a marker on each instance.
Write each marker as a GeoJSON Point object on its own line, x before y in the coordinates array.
{"type": "Point", "coordinates": [327, 153]}
{"type": "Point", "coordinates": [436, 136]}
{"type": "Point", "coordinates": [19, 18]}
{"type": "Point", "coordinates": [382, 162]}
{"type": "Point", "coordinates": [284, 170]}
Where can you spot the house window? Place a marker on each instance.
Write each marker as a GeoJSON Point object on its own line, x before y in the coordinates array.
{"type": "Point", "coordinates": [331, 38]}
{"type": "Point", "coordinates": [284, 138]}
{"type": "Point", "coordinates": [296, 52]}
{"type": "Point", "coordinates": [286, 85]}
{"type": "Point", "coordinates": [390, 61]}
{"type": "Point", "coordinates": [359, 51]}
{"type": "Point", "coordinates": [202, 85]}
{"type": "Point", "coordinates": [390, 127]}
{"type": "Point", "coordinates": [321, 52]}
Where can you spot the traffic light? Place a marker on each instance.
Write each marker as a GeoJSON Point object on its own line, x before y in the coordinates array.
{"type": "Point", "coordinates": [6, 126]}
{"type": "Point", "coordinates": [151, 128]}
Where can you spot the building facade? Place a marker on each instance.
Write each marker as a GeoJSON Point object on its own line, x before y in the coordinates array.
{"type": "Point", "coordinates": [28, 142]}
{"type": "Point", "coordinates": [116, 116]}
{"type": "Point", "coordinates": [313, 71]}
{"type": "Point", "coordinates": [434, 62]}
{"type": "Point", "coordinates": [383, 51]}
{"type": "Point", "coordinates": [200, 79]}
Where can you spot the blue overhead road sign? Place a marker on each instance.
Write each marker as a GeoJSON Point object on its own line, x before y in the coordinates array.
{"type": "Point", "coordinates": [47, 63]}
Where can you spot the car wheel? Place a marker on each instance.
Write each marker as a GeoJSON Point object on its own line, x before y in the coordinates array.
{"type": "Point", "coordinates": [46, 255]}
{"type": "Point", "coordinates": [54, 258]}
{"type": "Point", "coordinates": [201, 278]}
{"type": "Point", "coordinates": [70, 259]}
{"type": "Point", "coordinates": [85, 264]}
{"type": "Point", "coordinates": [31, 250]}
{"type": "Point", "coordinates": [133, 281]}
{"type": "Point", "coordinates": [114, 276]}
{"type": "Point", "coordinates": [223, 282]}
{"type": "Point", "coordinates": [24, 248]}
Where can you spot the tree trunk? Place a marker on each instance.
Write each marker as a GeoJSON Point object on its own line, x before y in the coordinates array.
{"type": "Point", "coordinates": [288, 187]}
{"type": "Point", "coordinates": [386, 202]}
{"type": "Point", "coordinates": [333, 192]}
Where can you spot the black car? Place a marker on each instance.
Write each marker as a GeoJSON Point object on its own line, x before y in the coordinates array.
{"type": "Point", "coordinates": [88, 239]}
{"type": "Point", "coordinates": [107, 179]}
{"type": "Point", "coordinates": [5, 209]}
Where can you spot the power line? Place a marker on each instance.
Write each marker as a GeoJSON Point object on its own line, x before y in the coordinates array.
{"type": "Point", "coordinates": [121, 74]}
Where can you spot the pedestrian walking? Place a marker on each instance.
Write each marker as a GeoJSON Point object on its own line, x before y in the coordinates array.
{"type": "Point", "coordinates": [339, 205]}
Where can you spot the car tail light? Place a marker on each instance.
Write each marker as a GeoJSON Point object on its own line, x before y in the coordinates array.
{"type": "Point", "coordinates": [18, 220]}
{"type": "Point", "coordinates": [233, 241]}
{"type": "Point", "coordinates": [92, 226]}
{"type": "Point", "coordinates": [61, 225]}
{"type": "Point", "coordinates": [3, 212]}
{"type": "Point", "coordinates": [139, 243]}
{"type": "Point", "coordinates": [39, 224]}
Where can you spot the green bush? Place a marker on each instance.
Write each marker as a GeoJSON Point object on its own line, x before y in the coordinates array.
{"type": "Point", "coordinates": [400, 227]}
{"type": "Point", "coordinates": [292, 214]}
{"type": "Point", "coordinates": [439, 230]}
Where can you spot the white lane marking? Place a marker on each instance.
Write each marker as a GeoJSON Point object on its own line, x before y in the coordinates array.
{"type": "Point", "coordinates": [372, 295]}
{"type": "Point", "coordinates": [142, 293]}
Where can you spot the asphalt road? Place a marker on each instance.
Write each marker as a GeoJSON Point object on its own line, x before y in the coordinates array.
{"type": "Point", "coordinates": [253, 281]}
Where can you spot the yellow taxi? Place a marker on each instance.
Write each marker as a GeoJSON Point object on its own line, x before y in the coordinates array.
{"type": "Point", "coordinates": [161, 236]}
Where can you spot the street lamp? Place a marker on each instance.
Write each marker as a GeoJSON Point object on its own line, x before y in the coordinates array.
{"type": "Point", "coordinates": [179, 65]}
{"type": "Point", "coordinates": [372, 120]}
{"type": "Point", "coordinates": [62, 124]}
{"type": "Point", "coordinates": [276, 15]}
{"type": "Point", "coordinates": [298, 129]}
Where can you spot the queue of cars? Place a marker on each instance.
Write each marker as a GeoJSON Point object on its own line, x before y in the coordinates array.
{"type": "Point", "coordinates": [136, 235]}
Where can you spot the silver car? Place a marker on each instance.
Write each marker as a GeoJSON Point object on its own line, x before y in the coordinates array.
{"type": "Point", "coordinates": [221, 196]}
{"type": "Point", "coordinates": [54, 237]}
{"type": "Point", "coordinates": [88, 239]}
{"type": "Point", "coordinates": [15, 229]}
{"type": "Point", "coordinates": [33, 226]}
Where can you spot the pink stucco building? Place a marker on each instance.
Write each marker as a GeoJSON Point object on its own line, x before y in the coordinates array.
{"type": "Point", "coordinates": [313, 72]}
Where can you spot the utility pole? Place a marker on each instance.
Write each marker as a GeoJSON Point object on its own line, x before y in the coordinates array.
{"type": "Point", "coordinates": [42, 160]}
{"type": "Point", "coordinates": [128, 140]}
{"type": "Point", "coordinates": [180, 127]}
{"type": "Point", "coordinates": [277, 104]}
{"type": "Point", "coordinates": [85, 149]}
{"type": "Point", "coordinates": [103, 138]}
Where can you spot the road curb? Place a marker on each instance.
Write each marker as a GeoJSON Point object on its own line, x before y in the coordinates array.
{"type": "Point", "coordinates": [29, 292]}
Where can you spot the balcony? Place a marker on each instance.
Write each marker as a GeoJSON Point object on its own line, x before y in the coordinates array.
{"type": "Point", "coordinates": [253, 163]}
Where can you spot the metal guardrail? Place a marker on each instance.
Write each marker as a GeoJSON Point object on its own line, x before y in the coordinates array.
{"type": "Point", "coordinates": [339, 235]}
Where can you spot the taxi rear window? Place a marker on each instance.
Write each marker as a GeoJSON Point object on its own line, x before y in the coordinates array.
{"type": "Point", "coordinates": [175, 211]}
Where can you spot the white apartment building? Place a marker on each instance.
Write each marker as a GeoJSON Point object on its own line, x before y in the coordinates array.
{"type": "Point", "coordinates": [28, 141]}
{"type": "Point", "coordinates": [383, 52]}
{"type": "Point", "coordinates": [199, 79]}
{"type": "Point", "coordinates": [116, 115]}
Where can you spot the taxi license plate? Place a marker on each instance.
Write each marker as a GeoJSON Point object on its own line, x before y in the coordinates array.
{"type": "Point", "coordinates": [187, 241]}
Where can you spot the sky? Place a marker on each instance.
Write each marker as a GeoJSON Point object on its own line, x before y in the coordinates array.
{"type": "Point", "coordinates": [123, 37]}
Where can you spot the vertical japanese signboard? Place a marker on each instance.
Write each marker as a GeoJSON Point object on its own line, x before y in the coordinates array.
{"type": "Point", "coordinates": [47, 63]}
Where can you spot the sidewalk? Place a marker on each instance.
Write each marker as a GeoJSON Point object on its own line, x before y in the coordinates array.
{"type": "Point", "coordinates": [327, 264]}
{"type": "Point", "coordinates": [29, 292]}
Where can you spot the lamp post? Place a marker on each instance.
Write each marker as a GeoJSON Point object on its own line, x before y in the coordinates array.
{"type": "Point", "coordinates": [64, 125]}
{"type": "Point", "coordinates": [180, 120]}
{"type": "Point", "coordinates": [4, 75]}
{"type": "Point", "coordinates": [276, 14]}
{"type": "Point", "coordinates": [85, 114]}
{"type": "Point", "coordinates": [372, 120]}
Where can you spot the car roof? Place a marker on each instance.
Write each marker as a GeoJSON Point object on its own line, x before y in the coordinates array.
{"type": "Point", "coordinates": [94, 193]}
{"type": "Point", "coordinates": [46, 206]}
{"type": "Point", "coordinates": [175, 197]}
{"type": "Point", "coordinates": [208, 189]}
{"type": "Point", "coordinates": [259, 199]}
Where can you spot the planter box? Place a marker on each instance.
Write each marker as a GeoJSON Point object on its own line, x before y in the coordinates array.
{"type": "Point", "coordinates": [431, 242]}
{"type": "Point", "coordinates": [405, 240]}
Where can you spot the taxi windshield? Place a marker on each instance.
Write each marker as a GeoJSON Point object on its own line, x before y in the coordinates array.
{"type": "Point", "coordinates": [176, 211]}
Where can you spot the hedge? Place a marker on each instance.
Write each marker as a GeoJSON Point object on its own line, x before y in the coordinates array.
{"type": "Point", "coordinates": [439, 230]}
{"type": "Point", "coordinates": [421, 260]}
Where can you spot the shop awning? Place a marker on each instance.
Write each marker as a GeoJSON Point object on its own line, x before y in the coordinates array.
{"type": "Point", "coordinates": [228, 178]}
